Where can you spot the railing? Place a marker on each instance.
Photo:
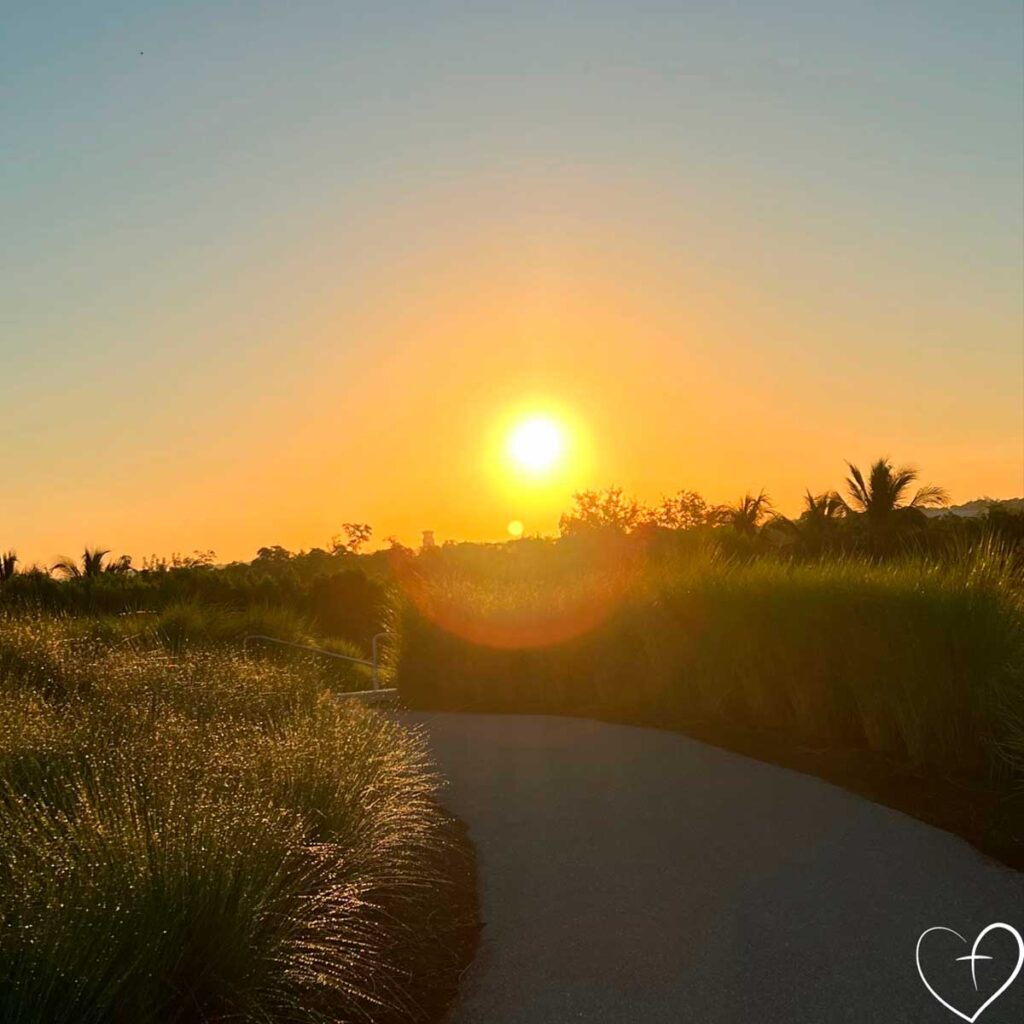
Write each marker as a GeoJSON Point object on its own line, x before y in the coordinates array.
{"type": "Point", "coordinates": [374, 664]}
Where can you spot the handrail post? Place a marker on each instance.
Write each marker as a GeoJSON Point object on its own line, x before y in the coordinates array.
{"type": "Point", "coordinates": [376, 658]}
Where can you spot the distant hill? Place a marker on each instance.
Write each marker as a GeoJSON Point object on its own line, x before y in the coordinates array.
{"type": "Point", "coordinates": [978, 507]}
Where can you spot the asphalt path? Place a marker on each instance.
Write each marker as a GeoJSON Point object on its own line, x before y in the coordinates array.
{"type": "Point", "coordinates": [635, 875]}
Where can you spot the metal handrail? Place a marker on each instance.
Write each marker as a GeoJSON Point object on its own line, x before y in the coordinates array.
{"type": "Point", "coordinates": [373, 664]}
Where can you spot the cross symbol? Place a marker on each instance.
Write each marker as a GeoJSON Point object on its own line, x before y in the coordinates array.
{"type": "Point", "coordinates": [974, 958]}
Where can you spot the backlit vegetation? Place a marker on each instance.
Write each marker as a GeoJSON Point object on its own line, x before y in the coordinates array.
{"type": "Point", "coordinates": [920, 660]}
{"type": "Point", "coordinates": [193, 835]}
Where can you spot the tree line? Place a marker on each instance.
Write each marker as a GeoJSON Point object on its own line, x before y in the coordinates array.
{"type": "Point", "coordinates": [880, 511]}
{"type": "Point", "coordinates": [883, 510]}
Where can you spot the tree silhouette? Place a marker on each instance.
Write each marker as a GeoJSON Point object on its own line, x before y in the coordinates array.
{"type": "Point", "coordinates": [747, 515]}
{"type": "Point", "coordinates": [273, 553]}
{"type": "Point", "coordinates": [92, 564]}
{"type": "Point", "coordinates": [603, 510]}
{"type": "Point", "coordinates": [816, 528]}
{"type": "Point", "coordinates": [357, 534]}
{"type": "Point", "coordinates": [8, 565]}
{"type": "Point", "coordinates": [684, 511]}
{"type": "Point", "coordinates": [882, 499]}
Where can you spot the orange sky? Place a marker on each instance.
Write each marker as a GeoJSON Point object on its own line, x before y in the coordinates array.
{"type": "Point", "coordinates": [333, 398]}
{"type": "Point", "coordinates": [249, 311]}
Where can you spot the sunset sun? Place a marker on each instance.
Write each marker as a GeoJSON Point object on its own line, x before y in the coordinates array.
{"type": "Point", "coordinates": [536, 444]}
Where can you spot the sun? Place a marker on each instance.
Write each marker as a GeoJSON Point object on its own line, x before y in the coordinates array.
{"type": "Point", "coordinates": [536, 444]}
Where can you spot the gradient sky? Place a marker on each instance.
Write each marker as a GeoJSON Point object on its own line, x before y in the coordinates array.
{"type": "Point", "coordinates": [297, 264]}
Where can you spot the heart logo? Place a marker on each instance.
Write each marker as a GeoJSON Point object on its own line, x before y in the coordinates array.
{"type": "Point", "coordinates": [974, 958]}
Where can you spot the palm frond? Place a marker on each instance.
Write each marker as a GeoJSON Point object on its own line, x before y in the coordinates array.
{"type": "Point", "coordinates": [857, 488]}
{"type": "Point", "coordinates": [900, 480]}
{"type": "Point", "coordinates": [67, 567]}
{"type": "Point", "coordinates": [92, 561]}
{"type": "Point", "coordinates": [930, 496]}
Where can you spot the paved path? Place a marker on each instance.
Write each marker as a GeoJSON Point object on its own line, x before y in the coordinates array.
{"type": "Point", "coordinates": [631, 876]}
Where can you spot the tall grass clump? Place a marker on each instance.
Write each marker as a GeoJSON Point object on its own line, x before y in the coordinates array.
{"type": "Point", "coordinates": [199, 836]}
{"type": "Point", "coordinates": [918, 660]}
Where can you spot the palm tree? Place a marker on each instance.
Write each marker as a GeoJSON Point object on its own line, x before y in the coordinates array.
{"type": "Point", "coordinates": [92, 564]}
{"type": "Point", "coordinates": [886, 488]}
{"type": "Point", "coordinates": [746, 516]}
{"type": "Point", "coordinates": [121, 564]}
{"type": "Point", "coordinates": [882, 499]}
{"type": "Point", "coordinates": [822, 510]}
{"type": "Point", "coordinates": [8, 565]}
{"type": "Point", "coordinates": [822, 513]}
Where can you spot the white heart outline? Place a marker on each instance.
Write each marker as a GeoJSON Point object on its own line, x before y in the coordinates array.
{"type": "Point", "coordinates": [974, 949]}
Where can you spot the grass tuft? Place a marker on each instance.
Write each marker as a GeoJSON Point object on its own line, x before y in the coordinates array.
{"type": "Point", "coordinates": [195, 835]}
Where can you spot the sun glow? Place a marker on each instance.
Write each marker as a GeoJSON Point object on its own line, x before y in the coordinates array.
{"type": "Point", "coordinates": [537, 452]}
{"type": "Point", "coordinates": [537, 444]}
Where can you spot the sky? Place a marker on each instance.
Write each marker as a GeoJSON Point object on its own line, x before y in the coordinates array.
{"type": "Point", "coordinates": [267, 268]}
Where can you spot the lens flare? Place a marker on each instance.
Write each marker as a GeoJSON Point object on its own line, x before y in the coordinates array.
{"type": "Point", "coordinates": [527, 611]}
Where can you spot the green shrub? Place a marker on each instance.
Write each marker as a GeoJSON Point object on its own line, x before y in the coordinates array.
{"type": "Point", "coordinates": [918, 660]}
{"type": "Point", "coordinates": [185, 622]}
{"type": "Point", "coordinates": [207, 836]}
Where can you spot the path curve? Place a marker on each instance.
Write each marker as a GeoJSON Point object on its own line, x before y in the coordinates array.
{"type": "Point", "coordinates": [634, 875]}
